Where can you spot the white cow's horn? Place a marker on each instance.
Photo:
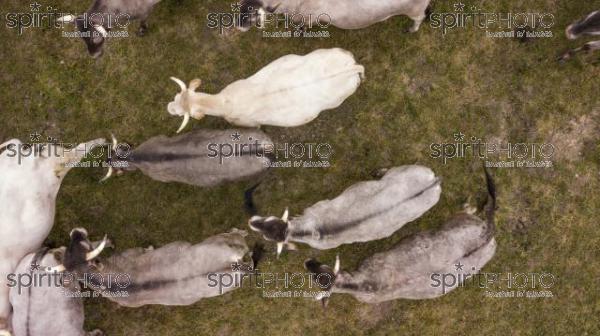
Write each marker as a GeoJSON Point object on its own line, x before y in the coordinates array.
{"type": "Point", "coordinates": [286, 215]}
{"type": "Point", "coordinates": [108, 174]}
{"type": "Point", "coordinates": [186, 120]}
{"type": "Point", "coordinates": [114, 140]}
{"type": "Point", "coordinates": [180, 83]}
{"type": "Point", "coordinates": [66, 19]}
{"type": "Point", "coordinates": [101, 30]}
{"type": "Point", "coordinates": [96, 252]}
{"type": "Point", "coordinates": [58, 269]}
{"type": "Point", "coordinates": [336, 268]}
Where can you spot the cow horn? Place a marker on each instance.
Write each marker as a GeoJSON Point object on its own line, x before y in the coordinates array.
{"type": "Point", "coordinates": [336, 267]}
{"type": "Point", "coordinates": [262, 15]}
{"type": "Point", "coordinates": [108, 174]}
{"type": "Point", "coordinates": [57, 269]}
{"type": "Point", "coordinates": [186, 120]}
{"type": "Point", "coordinates": [96, 252]}
{"type": "Point", "coordinates": [286, 215]}
{"type": "Point", "coordinates": [279, 248]}
{"type": "Point", "coordinates": [66, 19]}
{"type": "Point", "coordinates": [101, 30]}
{"type": "Point", "coordinates": [114, 140]}
{"type": "Point", "coordinates": [180, 83]}
{"type": "Point", "coordinates": [194, 84]}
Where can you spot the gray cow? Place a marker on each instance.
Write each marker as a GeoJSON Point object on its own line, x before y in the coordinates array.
{"type": "Point", "coordinates": [202, 158]}
{"type": "Point", "coordinates": [414, 268]}
{"type": "Point", "coordinates": [105, 15]}
{"type": "Point", "coordinates": [52, 306]}
{"type": "Point", "coordinates": [366, 211]}
{"type": "Point", "coordinates": [590, 25]}
{"type": "Point", "coordinates": [176, 274]}
{"type": "Point", "coordinates": [348, 14]}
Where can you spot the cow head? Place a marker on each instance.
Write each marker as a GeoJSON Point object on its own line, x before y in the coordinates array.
{"type": "Point", "coordinates": [324, 275]}
{"type": "Point", "coordinates": [118, 152]}
{"type": "Point", "coordinates": [587, 26]}
{"type": "Point", "coordinates": [80, 254]}
{"type": "Point", "coordinates": [252, 13]}
{"type": "Point", "coordinates": [182, 105]}
{"type": "Point", "coordinates": [93, 34]}
{"type": "Point", "coordinates": [272, 228]}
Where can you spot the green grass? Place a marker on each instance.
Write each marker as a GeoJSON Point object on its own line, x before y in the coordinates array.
{"type": "Point", "coordinates": [420, 89]}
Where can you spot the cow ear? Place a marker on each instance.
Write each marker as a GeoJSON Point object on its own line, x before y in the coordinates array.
{"type": "Point", "coordinates": [194, 84]}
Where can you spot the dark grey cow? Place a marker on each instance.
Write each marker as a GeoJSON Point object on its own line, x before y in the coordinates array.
{"type": "Point", "coordinates": [346, 14]}
{"type": "Point", "coordinates": [53, 306]}
{"type": "Point", "coordinates": [202, 158]}
{"type": "Point", "coordinates": [414, 268]}
{"type": "Point", "coordinates": [366, 211]}
{"type": "Point", "coordinates": [590, 25]}
{"type": "Point", "coordinates": [105, 15]}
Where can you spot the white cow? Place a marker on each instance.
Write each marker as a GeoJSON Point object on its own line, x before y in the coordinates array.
{"type": "Point", "coordinates": [346, 14]}
{"type": "Point", "coordinates": [290, 91]}
{"type": "Point", "coordinates": [29, 182]}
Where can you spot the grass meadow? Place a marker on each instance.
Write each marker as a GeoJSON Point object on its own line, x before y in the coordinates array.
{"type": "Point", "coordinates": [420, 89]}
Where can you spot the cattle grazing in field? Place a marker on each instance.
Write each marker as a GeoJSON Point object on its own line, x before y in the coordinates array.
{"type": "Point", "coordinates": [417, 267]}
{"type": "Point", "coordinates": [53, 306]}
{"type": "Point", "coordinates": [105, 15]}
{"type": "Point", "coordinates": [364, 212]}
{"type": "Point", "coordinates": [352, 14]}
{"type": "Point", "coordinates": [590, 25]}
{"type": "Point", "coordinates": [202, 157]}
{"type": "Point", "coordinates": [290, 91]}
{"type": "Point", "coordinates": [29, 183]}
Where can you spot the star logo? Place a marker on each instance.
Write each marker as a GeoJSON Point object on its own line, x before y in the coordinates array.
{"type": "Point", "coordinates": [236, 7]}
{"type": "Point", "coordinates": [35, 6]}
{"type": "Point", "coordinates": [35, 137]}
{"type": "Point", "coordinates": [459, 266]}
{"type": "Point", "coordinates": [459, 136]}
{"type": "Point", "coordinates": [236, 136]}
{"type": "Point", "coordinates": [459, 7]}
{"type": "Point", "coordinates": [35, 267]}
{"type": "Point", "coordinates": [236, 267]}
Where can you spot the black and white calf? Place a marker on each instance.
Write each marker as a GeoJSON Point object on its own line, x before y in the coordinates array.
{"type": "Point", "coordinates": [105, 15]}
{"type": "Point", "coordinates": [344, 14]}
{"type": "Point", "coordinates": [364, 212]}
{"type": "Point", "coordinates": [590, 25]}
{"type": "Point", "coordinates": [415, 267]}
{"type": "Point", "coordinates": [202, 157]}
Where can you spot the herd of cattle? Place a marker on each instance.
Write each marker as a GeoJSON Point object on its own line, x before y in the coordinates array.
{"type": "Point", "coordinates": [291, 91]}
